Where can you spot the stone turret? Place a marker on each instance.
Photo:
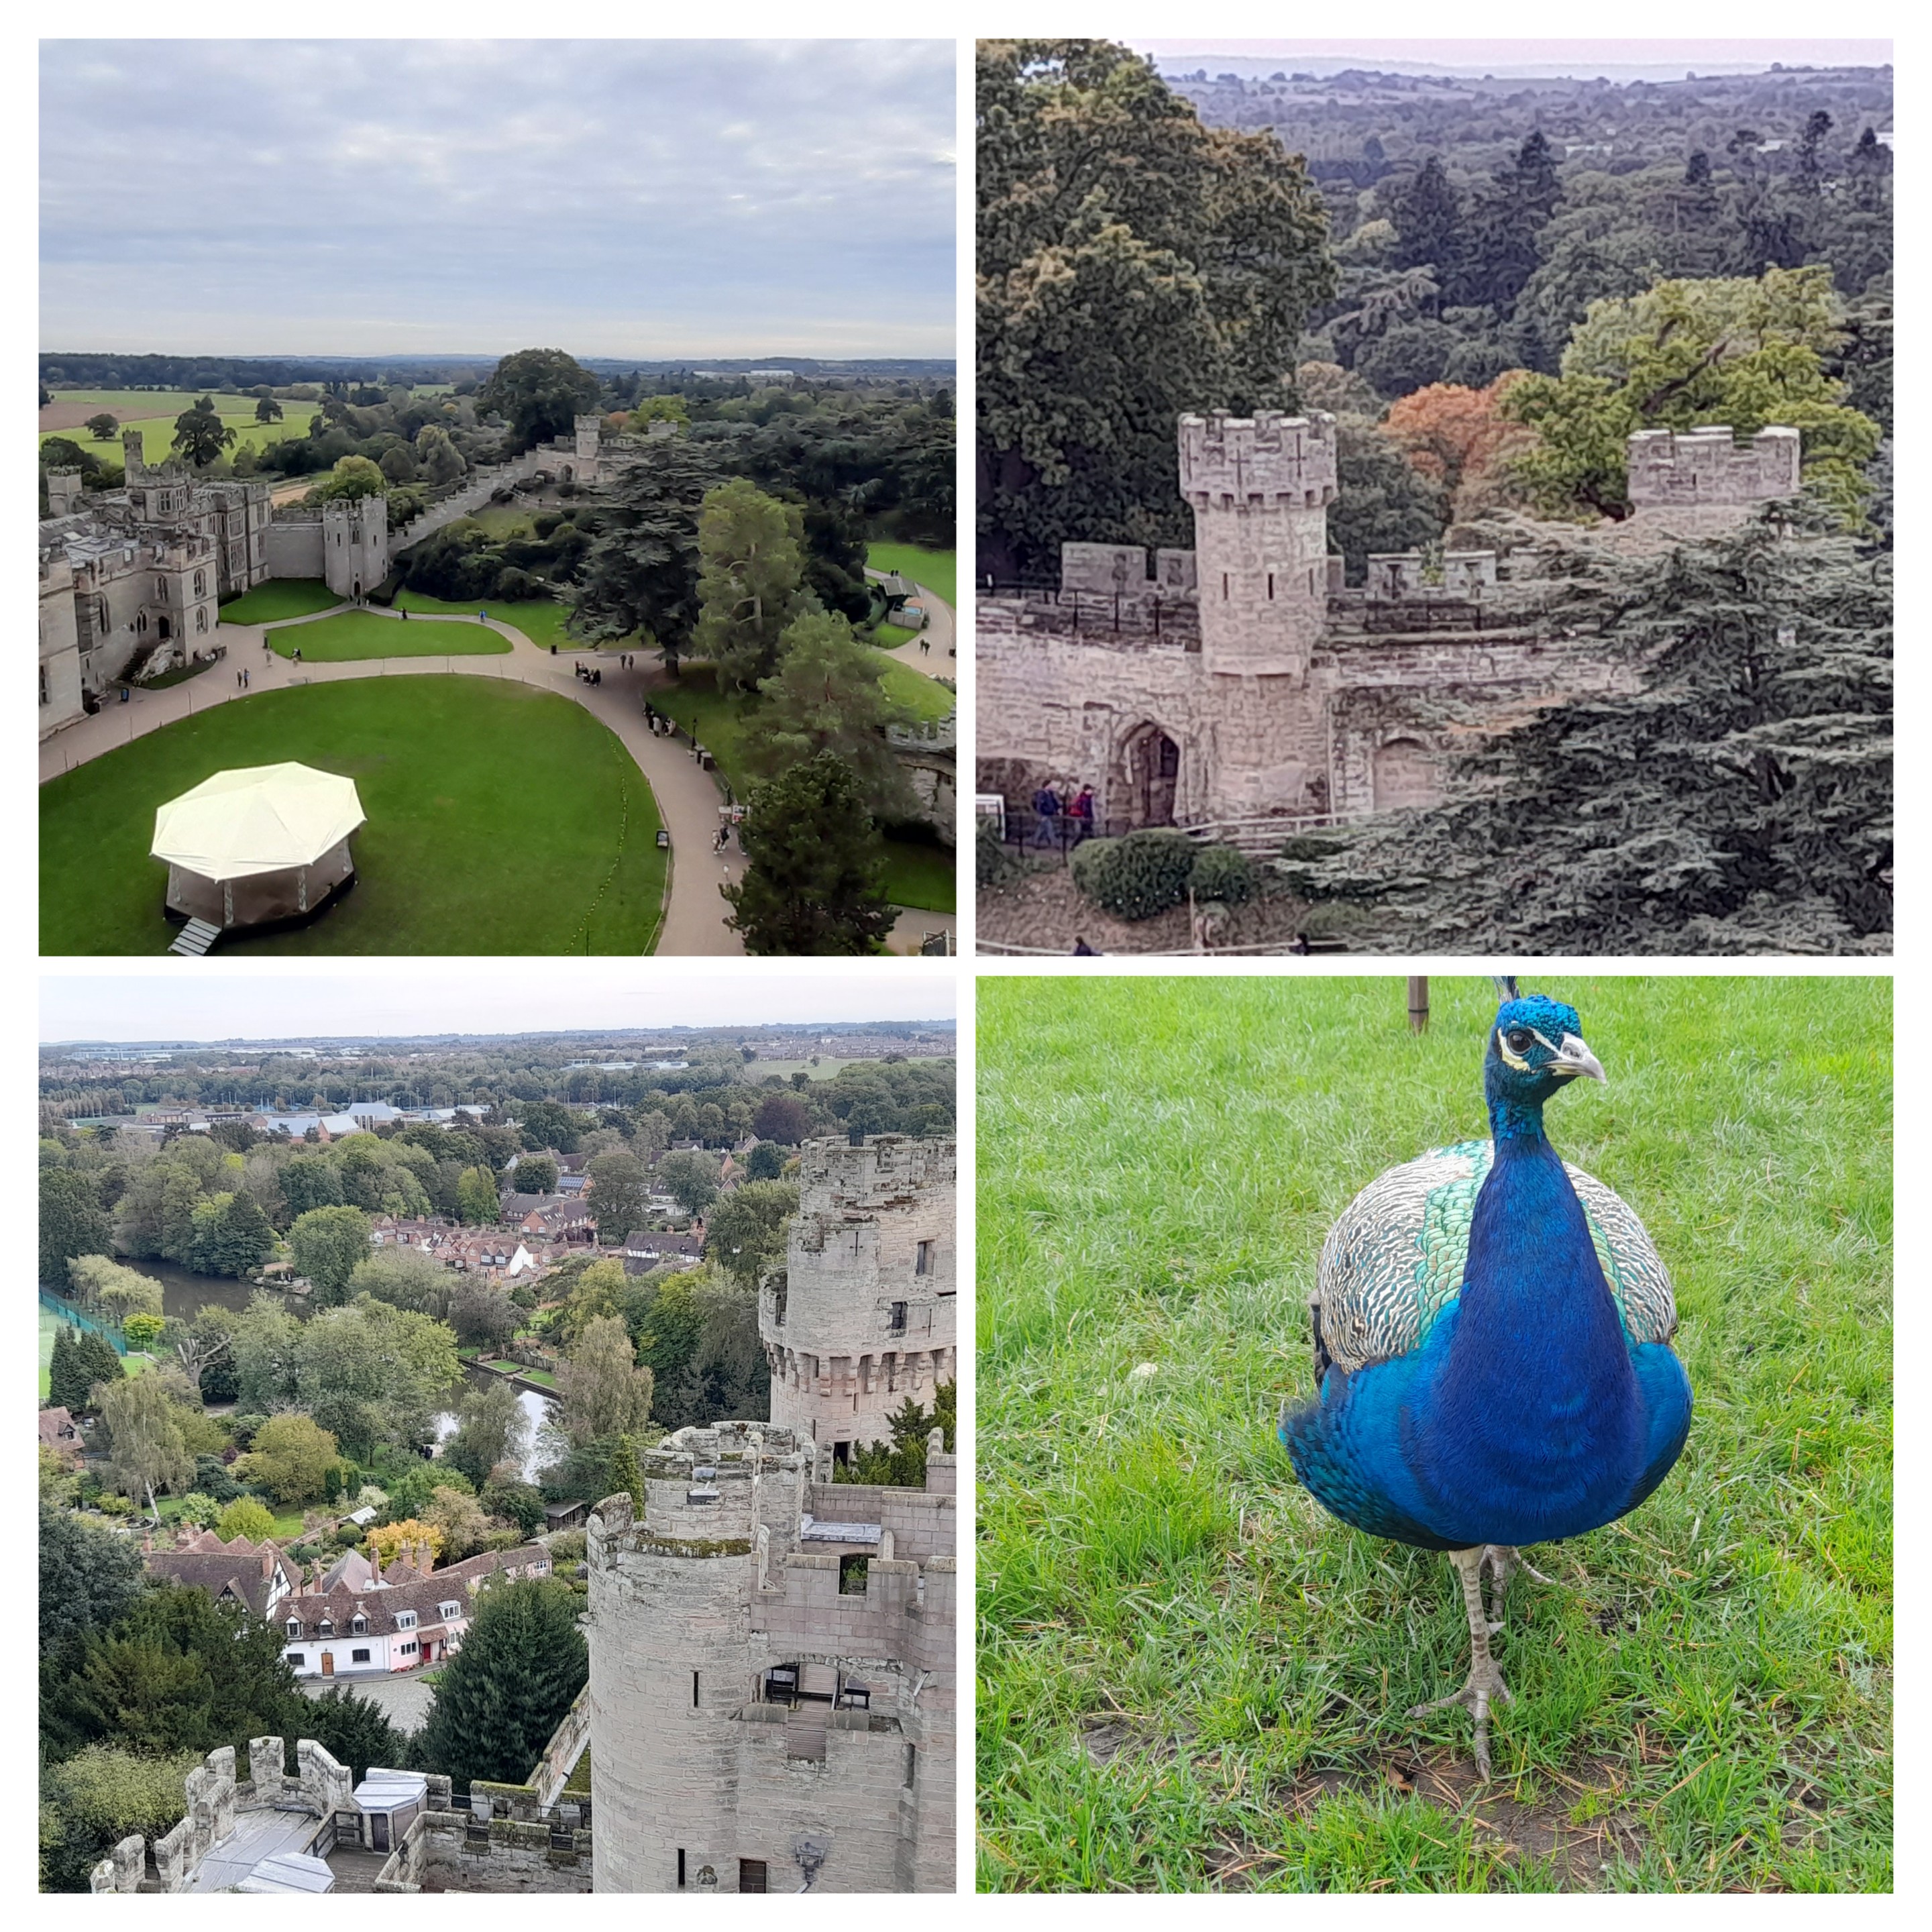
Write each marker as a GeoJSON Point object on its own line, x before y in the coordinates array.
{"type": "Point", "coordinates": [355, 545]}
{"type": "Point", "coordinates": [1260, 487]}
{"type": "Point", "coordinates": [863, 1316]}
{"type": "Point", "coordinates": [1710, 468]}
{"type": "Point", "coordinates": [63, 492]}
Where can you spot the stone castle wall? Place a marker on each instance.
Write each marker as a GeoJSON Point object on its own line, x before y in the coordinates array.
{"type": "Point", "coordinates": [733, 1571]}
{"type": "Point", "coordinates": [1710, 468]}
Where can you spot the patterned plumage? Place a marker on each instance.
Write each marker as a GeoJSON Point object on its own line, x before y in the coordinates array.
{"type": "Point", "coordinates": [1492, 1331]}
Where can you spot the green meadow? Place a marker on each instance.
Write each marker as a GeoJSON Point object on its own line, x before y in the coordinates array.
{"type": "Point", "coordinates": [1192, 1677]}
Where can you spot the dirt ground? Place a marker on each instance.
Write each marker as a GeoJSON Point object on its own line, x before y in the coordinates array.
{"type": "Point", "coordinates": [1045, 908]}
{"type": "Point", "coordinates": [67, 415]}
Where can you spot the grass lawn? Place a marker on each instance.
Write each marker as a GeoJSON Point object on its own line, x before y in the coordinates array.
{"type": "Point", "coordinates": [542, 1377]}
{"type": "Point", "coordinates": [924, 697]}
{"type": "Point", "coordinates": [923, 876]}
{"type": "Point", "coordinates": [465, 852]}
{"type": "Point", "coordinates": [50, 1327]}
{"type": "Point", "coordinates": [938, 570]}
{"type": "Point", "coordinates": [276, 602]}
{"type": "Point", "coordinates": [888, 636]}
{"type": "Point", "coordinates": [158, 432]}
{"type": "Point", "coordinates": [540, 619]}
{"type": "Point", "coordinates": [361, 634]}
{"type": "Point", "coordinates": [720, 725]}
{"type": "Point", "coordinates": [1191, 1676]}
{"type": "Point", "coordinates": [757, 1070]}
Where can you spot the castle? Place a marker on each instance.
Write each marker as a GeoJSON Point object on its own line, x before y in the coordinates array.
{"type": "Point", "coordinates": [773, 1690]}
{"type": "Point", "coordinates": [131, 579]}
{"type": "Point", "coordinates": [1244, 681]}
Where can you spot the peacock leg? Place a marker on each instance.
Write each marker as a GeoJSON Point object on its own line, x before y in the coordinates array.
{"type": "Point", "coordinates": [1485, 1684]}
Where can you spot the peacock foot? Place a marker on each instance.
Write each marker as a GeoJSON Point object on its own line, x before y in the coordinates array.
{"type": "Point", "coordinates": [1485, 1686]}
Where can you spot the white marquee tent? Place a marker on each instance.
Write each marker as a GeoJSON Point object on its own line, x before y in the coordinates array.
{"type": "Point", "coordinates": [263, 842]}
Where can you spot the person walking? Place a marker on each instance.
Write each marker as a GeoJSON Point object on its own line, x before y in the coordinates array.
{"type": "Point", "coordinates": [1082, 811]}
{"type": "Point", "coordinates": [1046, 813]}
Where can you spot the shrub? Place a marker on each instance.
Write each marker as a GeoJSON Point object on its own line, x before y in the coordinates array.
{"type": "Point", "coordinates": [1136, 877]}
{"type": "Point", "coordinates": [991, 860]}
{"type": "Point", "coordinates": [247, 1517]}
{"type": "Point", "coordinates": [1221, 873]}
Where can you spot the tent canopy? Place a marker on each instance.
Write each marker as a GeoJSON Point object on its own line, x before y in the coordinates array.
{"type": "Point", "coordinates": [260, 818]}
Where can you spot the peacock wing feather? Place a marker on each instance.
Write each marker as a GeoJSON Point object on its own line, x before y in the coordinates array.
{"type": "Point", "coordinates": [1394, 1259]}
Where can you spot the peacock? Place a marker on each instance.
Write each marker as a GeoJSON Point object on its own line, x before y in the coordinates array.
{"type": "Point", "coordinates": [1493, 1358]}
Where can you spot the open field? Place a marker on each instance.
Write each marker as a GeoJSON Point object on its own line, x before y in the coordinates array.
{"type": "Point", "coordinates": [720, 725]}
{"type": "Point", "coordinates": [1191, 1676]}
{"type": "Point", "coordinates": [539, 619]}
{"type": "Point", "coordinates": [150, 413]}
{"type": "Point", "coordinates": [761, 1068]}
{"type": "Point", "coordinates": [361, 634]}
{"type": "Point", "coordinates": [502, 820]}
{"type": "Point", "coordinates": [938, 569]}
{"type": "Point", "coordinates": [278, 600]}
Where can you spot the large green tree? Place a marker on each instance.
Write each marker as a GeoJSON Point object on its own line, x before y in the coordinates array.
{"type": "Point", "coordinates": [1131, 265]}
{"type": "Point", "coordinates": [815, 881]}
{"type": "Point", "coordinates": [491, 1428]}
{"type": "Point", "coordinates": [523, 1662]}
{"type": "Point", "coordinates": [88, 1576]}
{"type": "Point", "coordinates": [375, 1375]}
{"type": "Point", "coordinates": [1735, 797]}
{"type": "Point", "coordinates": [200, 435]}
{"type": "Point", "coordinates": [72, 1223]}
{"type": "Point", "coordinates": [829, 695]}
{"type": "Point", "coordinates": [1744, 352]}
{"type": "Point", "coordinates": [326, 1244]}
{"type": "Point", "coordinates": [538, 393]}
{"type": "Point", "coordinates": [751, 570]}
{"type": "Point", "coordinates": [148, 1451]}
{"type": "Point", "coordinates": [690, 1176]}
{"type": "Point", "coordinates": [745, 1234]}
{"type": "Point", "coordinates": [618, 1184]}
{"type": "Point", "coordinates": [601, 1389]}
{"type": "Point", "coordinates": [641, 572]}
{"type": "Point", "coordinates": [290, 1457]}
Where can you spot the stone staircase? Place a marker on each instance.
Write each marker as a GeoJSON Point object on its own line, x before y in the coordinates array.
{"type": "Point", "coordinates": [194, 939]}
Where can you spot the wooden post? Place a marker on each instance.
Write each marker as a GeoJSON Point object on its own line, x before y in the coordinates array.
{"type": "Point", "coordinates": [1418, 1002]}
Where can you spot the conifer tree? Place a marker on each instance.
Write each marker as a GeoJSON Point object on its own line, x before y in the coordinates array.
{"type": "Point", "coordinates": [625, 1475]}
{"type": "Point", "coordinates": [523, 1662]}
{"type": "Point", "coordinates": [67, 1378]}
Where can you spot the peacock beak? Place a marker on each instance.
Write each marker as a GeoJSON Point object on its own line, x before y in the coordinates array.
{"type": "Point", "coordinates": [1573, 1057]}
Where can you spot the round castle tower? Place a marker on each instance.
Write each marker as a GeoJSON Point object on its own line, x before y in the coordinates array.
{"type": "Point", "coordinates": [1260, 487]}
{"type": "Point", "coordinates": [863, 1318]}
{"type": "Point", "coordinates": [671, 1652]}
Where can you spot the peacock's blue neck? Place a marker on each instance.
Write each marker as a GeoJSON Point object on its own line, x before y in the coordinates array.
{"type": "Point", "coordinates": [1512, 1117]}
{"type": "Point", "coordinates": [1534, 1414]}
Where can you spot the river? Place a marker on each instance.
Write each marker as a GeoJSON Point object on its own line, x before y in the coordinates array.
{"type": "Point", "coordinates": [184, 1293]}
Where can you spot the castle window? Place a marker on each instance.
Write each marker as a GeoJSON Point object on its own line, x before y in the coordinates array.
{"type": "Point", "coordinates": [693, 1690]}
{"type": "Point", "coordinates": [44, 684]}
{"type": "Point", "coordinates": [201, 617]}
{"type": "Point", "coordinates": [911, 1764]}
{"type": "Point", "coordinates": [852, 1575]}
{"type": "Point", "coordinates": [923, 1265]}
{"type": "Point", "coordinates": [1224, 586]}
{"type": "Point", "coordinates": [752, 1875]}
{"type": "Point", "coordinates": [896, 1324]}
{"type": "Point", "coordinates": [161, 590]}
{"type": "Point", "coordinates": [201, 583]}
{"type": "Point", "coordinates": [1271, 586]}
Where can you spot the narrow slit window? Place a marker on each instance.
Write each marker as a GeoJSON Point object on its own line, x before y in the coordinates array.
{"type": "Point", "coordinates": [694, 1690]}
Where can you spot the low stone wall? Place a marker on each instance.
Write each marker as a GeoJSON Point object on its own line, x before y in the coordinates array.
{"type": "Point", "coordinates": [444, 1851]}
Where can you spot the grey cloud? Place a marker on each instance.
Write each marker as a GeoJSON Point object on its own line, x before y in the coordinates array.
{"type": "Point", "coordinates": [645, 197]}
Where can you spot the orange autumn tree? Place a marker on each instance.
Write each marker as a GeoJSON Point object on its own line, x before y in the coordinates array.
{"type": "Point", "coordinates": [1459, 437]}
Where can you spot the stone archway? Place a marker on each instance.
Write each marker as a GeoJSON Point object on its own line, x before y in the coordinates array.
{"type": "Point", "coordinates": [1147, 779]}
{"type": "Point", "coordinates": [1404, 775]}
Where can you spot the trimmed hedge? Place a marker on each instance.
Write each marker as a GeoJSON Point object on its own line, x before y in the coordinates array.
{"type": "Point", "coordinates": [1221, 872]}
{"type": "Point", "coordinates": [1137, 876]}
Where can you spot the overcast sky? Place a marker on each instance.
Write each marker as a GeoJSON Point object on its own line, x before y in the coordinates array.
{"type": "Point", "coordinates": [610, 198]}
{"type": "Point", "coordinates": [264, 1000]}
{"type": "Point", "coordinates": [1526, 55]}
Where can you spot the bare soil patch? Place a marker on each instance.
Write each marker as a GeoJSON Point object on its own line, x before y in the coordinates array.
{"type": "Point", "coordinates": [70, 416]}
{"type": "Point", "coordinates": [1045, 908]}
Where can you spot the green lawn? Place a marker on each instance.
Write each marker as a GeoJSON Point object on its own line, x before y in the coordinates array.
{"type": "Point", "coordinates": [888, 636]}
{"type": "Point", "coordinates": [924, 697]}
{"type": "Point", "coordinates": [720, 725]}
{"type": "Point", "coordinates": [938, 570]}
{"type": "Point", "coordinates": [362, 634]}
{"type": "Point", "coordinates": [281, 599]}
{"type": "Point", "coordinates": [1190, 1675]}
{"type": "Point", "coordinates": [50, 1327]}
{"type": "Point", "coordinates": [464, 852]}
{"type": "Point", "coordinates": [157, 431]}
{"type": "Point", "coordinates": [540, 619]}
{"type": "Point", "coordinates": [758, 1070]}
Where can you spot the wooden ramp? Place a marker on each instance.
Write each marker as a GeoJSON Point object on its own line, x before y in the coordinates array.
{"type": "Point", "coordinates": [195, 938]}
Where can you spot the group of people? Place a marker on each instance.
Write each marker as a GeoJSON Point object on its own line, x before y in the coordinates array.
{"type": "Point", "coordinates": [593, 674]}
{"type": "Point", "coordinates": [1061, 815]}
{"type": "Point", "coordinates": [241, 680]}
{"type": "Point", "coordinates": [661, 727]}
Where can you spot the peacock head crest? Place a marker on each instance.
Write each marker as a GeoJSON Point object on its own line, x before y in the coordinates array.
{"type": "Point", "coordinates": [1536, 1047]}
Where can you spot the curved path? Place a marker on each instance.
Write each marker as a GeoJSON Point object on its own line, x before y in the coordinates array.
{"type": "Point", "coordinates": [687, 799]}
{"type": "Point", "coordinates": [939, 661]}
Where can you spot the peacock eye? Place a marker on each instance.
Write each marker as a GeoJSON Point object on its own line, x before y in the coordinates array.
{"type": "Point", "coordinates": [1519, 1040]}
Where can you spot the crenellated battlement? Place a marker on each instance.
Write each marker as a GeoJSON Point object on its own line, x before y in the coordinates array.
{"type": "Point", "coordinates": [1709, 467]}
{"type": "Point", "coordinates": [1269, 458]}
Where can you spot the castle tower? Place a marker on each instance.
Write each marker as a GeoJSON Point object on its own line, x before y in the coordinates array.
{"type": "Point", "coordinates": [63, 492]}
{"type": "Point", "coordinates": [671, 1654]}
{"type": "Point", "coordinates": [133, 460]}
{"type": "Point", "coordinates": [1709, 468]}
{"type": "Point", "coordinates": [863, 1316]}
{"type": "Point", "coordinates": [589, 430]}
{"type": "Point", "coordinates": [1260, 487]}
{"type": "Point", "coordinates": [355, 545]}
